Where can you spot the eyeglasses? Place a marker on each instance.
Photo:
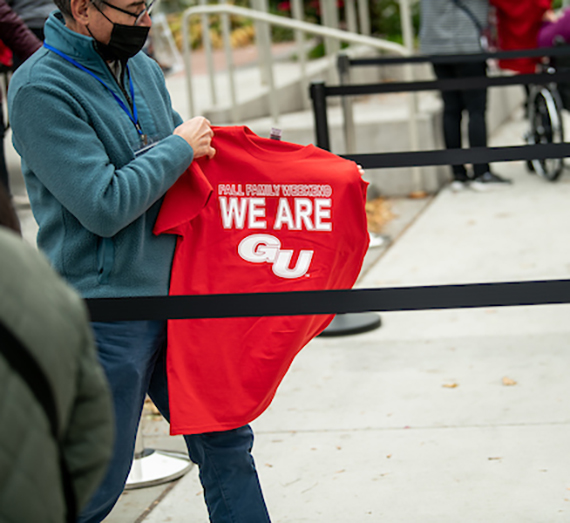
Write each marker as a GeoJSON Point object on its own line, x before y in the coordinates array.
{"type": "Point", "coordinates": [138, 17]}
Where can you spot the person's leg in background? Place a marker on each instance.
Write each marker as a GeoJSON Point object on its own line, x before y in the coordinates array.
{"type": "Point", "coordinates": [4, 178]}
{"type": "Point", "coordinates": [476, 104]}
{"type": "Point", "coordinates": [475, 101]}
{"type": "Point", "coordinates": [227, 470]}
{"type": "Point", "coordinates": [452, 114]}
{"type": "Point", "coordinates": [128, 352]}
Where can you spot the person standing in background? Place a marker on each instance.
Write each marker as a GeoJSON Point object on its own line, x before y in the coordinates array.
{"type": "Point", "coordinates": [451, 27]}
{"type": "Point", "coordinates": [20, 40]}
{"type": "Point", "coordinates": [34, 13]}
{"type": "Point", "coordinates": [518, 24]}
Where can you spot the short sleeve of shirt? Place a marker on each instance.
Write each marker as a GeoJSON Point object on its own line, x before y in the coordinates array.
{"type": "Point", "coordinates": [187, 197]}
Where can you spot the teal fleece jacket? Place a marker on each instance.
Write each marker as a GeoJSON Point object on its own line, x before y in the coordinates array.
{"type": "Point", "coordinates": [95, 199]}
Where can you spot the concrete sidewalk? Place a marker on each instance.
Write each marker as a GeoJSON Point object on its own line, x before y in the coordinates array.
{"type": "Point", "coordinates": [460, 415]}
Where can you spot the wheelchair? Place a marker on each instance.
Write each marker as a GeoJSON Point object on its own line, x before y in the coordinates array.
{"type": "Point", "coordinates": [544, 108]}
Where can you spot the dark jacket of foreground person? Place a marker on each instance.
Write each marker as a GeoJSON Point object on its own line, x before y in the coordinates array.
{"type": "Point", "coordinates": [50, 322]}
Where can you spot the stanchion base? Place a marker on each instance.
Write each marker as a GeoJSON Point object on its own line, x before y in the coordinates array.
{"type": "Point", "coordinates": [352, 323]}
{"type": "Point", "coordinates": [156, 467]}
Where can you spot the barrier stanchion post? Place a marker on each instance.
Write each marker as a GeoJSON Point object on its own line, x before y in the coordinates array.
{"type": "Point", "coordinates": [342, 324]}
{"type": "Point", "coordinates": [318, 96]}
{"type": "Point", "coordinates": [154, 467]}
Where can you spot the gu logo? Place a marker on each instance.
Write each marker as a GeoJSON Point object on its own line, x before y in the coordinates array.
{"type": "Point", "coordinates": [264, 248]}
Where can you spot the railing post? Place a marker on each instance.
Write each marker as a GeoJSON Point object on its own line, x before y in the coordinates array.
{"type": "Point", "coordinates": [329, 18]}
{"type": "Point", "coordinates": [343, 64]}
{"type": "Point", "coordinates": [407, 32]}
{"type": "Point", "coordinates": [207, 41]}
{"type": "Point", "coordinates": [364, 16]}
{"type": "Point", "coordinates": [262, 40]}
{"type": "Point", "coordinates": [186, 53]}
{"type": "Point", "coordinates": [229, 64]}
{"type": "Point", "coordinates": [350, 13]}
{"type": "Point", "coordinates": [299, 14]}
{"type": "Point", "coordinates": [318, 96]}
{"type": "Point", "coordinates": [263, 36]}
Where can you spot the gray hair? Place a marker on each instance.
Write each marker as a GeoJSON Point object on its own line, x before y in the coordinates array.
{"type": "Point", "coordinates": [65, 7]}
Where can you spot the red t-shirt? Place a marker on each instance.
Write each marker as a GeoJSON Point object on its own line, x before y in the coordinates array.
{"type": "Point", "coordinates": [261, 216]}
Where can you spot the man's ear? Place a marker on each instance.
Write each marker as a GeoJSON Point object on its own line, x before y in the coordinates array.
{"type": "Point", "coordinates": [80, 11]}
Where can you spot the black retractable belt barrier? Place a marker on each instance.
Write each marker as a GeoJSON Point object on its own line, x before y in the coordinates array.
{"type": "Point", "coordinates": [437, 297]}
{"type": "Point", "coordinates": [462, 58]}
{"type": "Point", "coordinates": [457, 156]}
{"type": "Point", "coordinates": [448, 84]}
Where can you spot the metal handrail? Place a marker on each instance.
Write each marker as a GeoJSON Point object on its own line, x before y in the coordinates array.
{"type": "Point", "coordinates": [297, 25]}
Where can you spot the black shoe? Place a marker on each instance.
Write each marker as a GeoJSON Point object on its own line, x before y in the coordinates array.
{"type": "Point", "coordinates": [488, 181]}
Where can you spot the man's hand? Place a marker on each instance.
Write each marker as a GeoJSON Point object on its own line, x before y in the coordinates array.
{"type": "Point", "coordinates": [198, 133]}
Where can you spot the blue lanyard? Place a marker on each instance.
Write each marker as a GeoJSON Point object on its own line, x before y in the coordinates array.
{"type": "Point", "coordinates": [134, 116]}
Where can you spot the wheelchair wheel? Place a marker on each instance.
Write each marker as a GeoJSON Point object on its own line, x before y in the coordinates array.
{"type": "Point", "coordinates": [546, 127]}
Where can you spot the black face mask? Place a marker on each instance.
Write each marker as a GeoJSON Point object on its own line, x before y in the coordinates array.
{"type": "Point", "coordinates": [126, 41]}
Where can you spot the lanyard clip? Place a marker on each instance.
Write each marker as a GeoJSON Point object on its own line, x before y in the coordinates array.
{"type": "Point", "coordinates": [144, 137]}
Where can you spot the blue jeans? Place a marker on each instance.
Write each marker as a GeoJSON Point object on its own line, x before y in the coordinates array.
{"type": "Point", "coordinates": [133, 355]}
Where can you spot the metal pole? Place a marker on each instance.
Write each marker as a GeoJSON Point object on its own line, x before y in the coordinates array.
{"type": "Point", "coordinates": [319, 99]}
{"type": "Point", "coordinates": [207, 41]}
{"type": "Point", "coordinates": [346, 102]}
{"type": "Point", "coordinates": [262, 39]}
{"type": "Point", "coordinates": [350, 13]}
{"type": "Point", "coordinates": [329, 18]}
{"type": "Point", "coordinates": [406, 25]}
{"type": "Point", "coordinates": [225, 19]}
{"type": "Point", "coordinates": [407, 32]}
{"type": "Point", "coordinates": [263, 33]}
{"type": "Point", "coordinates": [364, 16]}
{"type": "Point", "coordinates": [188, 66]}
{"type": "Point", "coordinates": [298, 14]}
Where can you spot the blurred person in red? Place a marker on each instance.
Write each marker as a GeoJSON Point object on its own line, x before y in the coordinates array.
{"type": "Point", "coordinates": [518, 24]}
